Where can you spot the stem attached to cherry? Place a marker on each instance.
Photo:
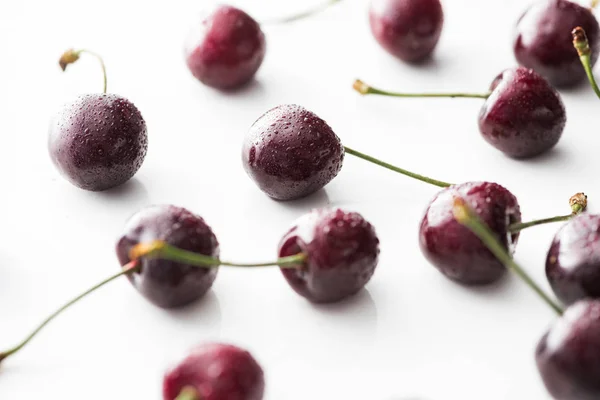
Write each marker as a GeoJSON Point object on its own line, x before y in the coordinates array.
{"type": "Point", "coordinates": [189, 393]}
{"type": "Point", "coordinates": [578, 203]}
{"type": "Point", "coordinates": [594, 4]}
{"type": "Point", "coordinates": [156, 249]}
{"type": "Point", "coordinates": [363, 88]}
{"type": "Point", "coordinates": [580, 41]}
{"type": "Point", "coordinates": [308, 13]}
{"type": "Point", "coordinates": [465, 216]}
{"type": "Point", "coordinates": [71, 56]}
{"type": "Point", "coordinates": [396, 169]}
{"type": "Point", "coordinates": [127, 269]}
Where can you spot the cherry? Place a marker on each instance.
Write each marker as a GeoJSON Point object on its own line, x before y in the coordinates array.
{"type": "Point", "coordinates": [568, 355]}
{"type": "Point", "coordinates": [573, 261]}
{"type": "Point", "coordinates": [215, 371]}
{"type": "Point", "coordinates": [407, 29]}
{"type": "Point", "coordinates": [98, 141]}
{"type": "Point", "coordinates": [543, 42]}
{"type": "Point", "coordinates": [452, 248]}
{"type": "Point", "coordinates": [342, 251]}
{"type": "Point", "coordinates": [169, 284]}
{"type": "Point", "coordinates": [522, 116]}
{"type": "Point", "coordinates": [226, 49]}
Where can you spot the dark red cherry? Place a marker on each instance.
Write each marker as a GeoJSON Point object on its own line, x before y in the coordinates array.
{"type": "Point", "coordinates": [290, 152]}
{"type": "Point", "coordinates": [226, 49]}
{"type": "Point", "coordinates": [543, 40]}
{"type": "Point", "coordinates": [568, 355]}
{"type": "Point", "coordinates": [216, 372]}
{"type": "Point", "coordinates": [573, 261]}
{"type": "Point", "coordinates": [342, 252]}
{"type": "Point", "coordinates": [99, 141]}
{"type": "Point", "coordinates": [524, 116]}
{"type": "Point", "coordinates": [165, 283]}
{"type": "Point", "coordinates": [407, 29]}
{"type": "Point", "coordinates": [452, 248]}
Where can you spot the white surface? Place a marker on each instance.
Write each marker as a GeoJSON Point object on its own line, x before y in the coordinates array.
{"type": "Point", "coordinates": [412, 333]}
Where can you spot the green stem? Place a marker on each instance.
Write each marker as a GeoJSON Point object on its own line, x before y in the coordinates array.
{"type": "Point", "coordinates": [160, 249]}
{"type": "Point", "coordinates": [581, 44]}
{"type": "Point", "coordinates": [363, 88]}
{"type": "Point", "coordinates": [189, 393]}
{"type": "Point", "coordinates": [468, 218]}
{"type": "Point", "coordinates": [127, 269]}
{"type": "Point", "coordinates": [517, 227]}
{"type": "Point", "coordinates": [71, 56]}
{"type": "Point", "coordinates": [305, 14]}
{"type": "Point", "coordinates": [396, 169]}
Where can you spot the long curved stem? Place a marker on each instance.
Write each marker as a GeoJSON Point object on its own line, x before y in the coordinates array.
{"type": "Point", "coordinates": [127, 269]}
{"type": "Point", "coordinates": [160, 249]}
{"type": "Point", "coordinates": [578, 203]}
{"type": "Point", "coordinates": [468, 218]}
{"type": "Point", "coordinates": [363, 88]}
{"type": "Point", "coordinates": [396, 169]}
{"type": "Point", "coordinates": [580, 41]}
{"type": "Point", "coordinates": [305, 14]}
{"type": "Point", "coordinates": [71, 56]}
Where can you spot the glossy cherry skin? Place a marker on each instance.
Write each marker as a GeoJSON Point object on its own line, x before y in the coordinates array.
{"type": "Point", "coordinates": [290, 152]}
{"type": "Point", "coordinates": [342, 252]}
{"type": "Point", "coordinates": [407, 29]}
{"type": "Point", "coordinates": [543, 40]}
{"type": "Point", "coordinates": [573, 261]}
{"type": "Point", "coordinates": [169, 284]}
{"type": "Point", "coordinates": [452, 248]}
{"type": "Point", "coordinates": [568, 355]}
{"type": "Point", "coordinates": [98, 141]}
{"type": "Point", "coordinates": [217, 372]}
{"type": "Point", "coordinates": [227, 48]}
{"type": "Point", "coordinates": [524, 116]}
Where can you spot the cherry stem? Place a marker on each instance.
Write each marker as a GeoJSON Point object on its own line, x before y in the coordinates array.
{"type": "Point", "coordinates": [163, 250]}
{"type": "Point", "coordinates": [465, 216]}
{"type": "Point", "coordinates": [71, 56]}
{"type": "Point", "coordinates": [127, 269]}
{"type": "Point", "coordinates": [189, 393]}
{"type": "Point", "coordinates": [594, 4]}
{"type": "Point", "coordinates": [308, 13]}
{"type": "Point", "coordinates": [578, 203]}
{"type": "Point", "coordinates": [363, 88]}
{"type": "Point", "coordinates": [580, 41]}
{"type": "Point", "coordinates": [396, 169]}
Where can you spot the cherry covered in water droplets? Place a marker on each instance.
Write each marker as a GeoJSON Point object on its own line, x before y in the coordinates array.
{"type": "Point", "coordinates": [215, 371]}
{"type": "Point", "coordinates": [290, 152]}
{"type": "Point", "coordinates": [452, 248]}
{"type": "Point", "coordinates": [407, 29]}
{"type": "Point", "coordinates": [226, 49]}
{"type": "Point", "coordinates": [342, 252]}
{"type": "Point", "coordinates": [543, 40]}
{"type": "Point", "coordinates": [169, 284]}
{"type": "Point", "coordinates": [99, 141]}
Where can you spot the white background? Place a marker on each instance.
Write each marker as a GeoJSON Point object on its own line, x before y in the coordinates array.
{"type": "Point", "coordinates": [412, 333]}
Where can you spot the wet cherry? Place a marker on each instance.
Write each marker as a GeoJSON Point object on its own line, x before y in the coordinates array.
{"type": "Point", "coordinates": [543, 40]}
{"type": "Point", "coordinates": [452, 248]}
{"type": "Point", "coordinates": [226, 49]}
{"type": "Point", "coordinates": [407, 29]}
{"type": "Point", "coordinates": [290, 152]}
{"type": "Point", "coordinates": [215, 371]}
{"type": "Point", "coordinates": [568, 355]}
{"type": "Point", "coordinates": [522, 116]}
{"type": "Point", "coordinates": [342, 251]}
{"type": "Point", "coordinates": [99, 141]}
{"type": "Point", "coordinates": [165, 283]}
{"type": "Point", "coordinates": [573, 261]}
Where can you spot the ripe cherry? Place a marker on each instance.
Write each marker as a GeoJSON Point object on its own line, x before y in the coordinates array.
{"type": "Point", "coordinates": [98, 141]}
{"type": "Point", "coordinates": [342, 251]}
{"type": "Point", "coordinates": [543, 40]}
{"type": "Point", "coordinates": [522, 116]}
{"type": "Point", "coordinates": [407, 29]}
{"type": "Point", "coordinates": [215, 371]}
